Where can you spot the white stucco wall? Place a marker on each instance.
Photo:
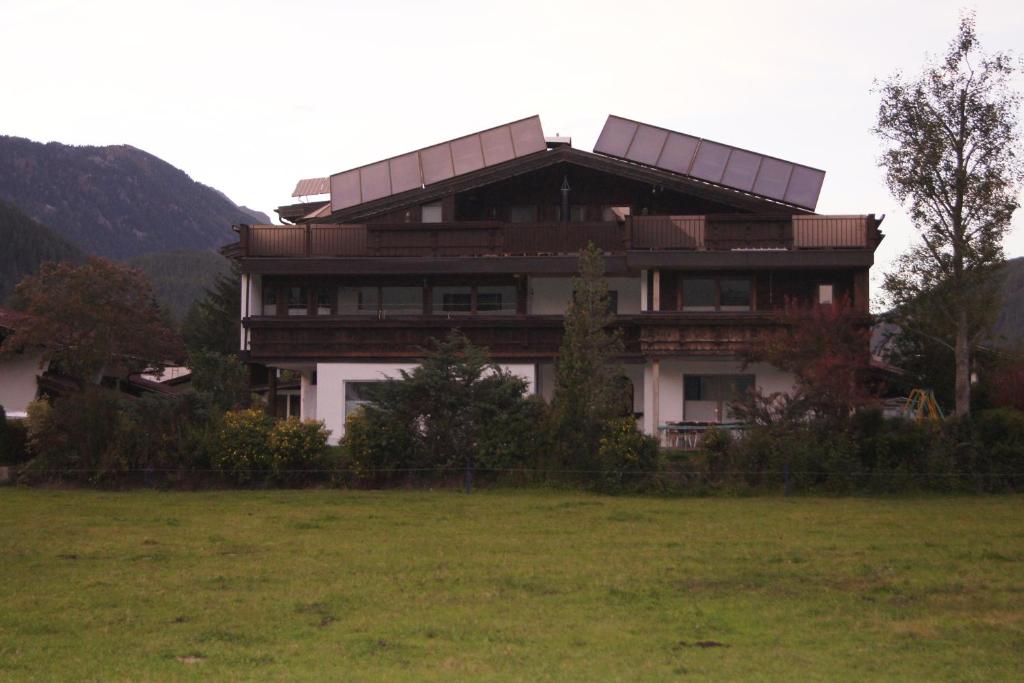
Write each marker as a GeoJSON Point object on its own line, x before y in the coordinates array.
{"type": "Point", "coordinates": [331, 378]}
{"type": "Point", "coordinates": [251, 304]}
{"type": "Point", "coordinates": [18, 384]}
{"type": "Point", "coordinates": [670, 409]}
{"type": "Point", "coordinates": [551, 295]}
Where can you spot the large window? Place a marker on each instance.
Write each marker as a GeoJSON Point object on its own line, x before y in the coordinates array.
{"type": "Point", "coordinates": [699, 294]}
{"type": "Point", "coordinates": [355, 395]}
{"type": "Point", "coordinates": [522, 214]}
{"type": "Point", "coordinates": [734, 294]}
{"type": "Point", "coordinates": [399, 300]}
{"type": "Point", "coordinates": [458, 299]}
{"type": "Point", "coordinates": [706, 398]}
{"type": "Point", "coordinates": [358, 300]}
{"type": "Point", "coordinates": [298, 301]}
{"type": "Point", "coordinates": [323, 301]}
{"type": "Point", "coordinates": [717, 293]}
{"type": "Point", "coordinates": [492, 300]}
{"type": "Point", "coordinates": [269, 300]}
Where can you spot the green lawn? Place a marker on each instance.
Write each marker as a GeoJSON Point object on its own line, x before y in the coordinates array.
{"type": "Point", "coordinates": [333, 585]}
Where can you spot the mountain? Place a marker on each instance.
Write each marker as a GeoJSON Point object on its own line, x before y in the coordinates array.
{"type": "Point", "coordinates": [180, 277]}
{"type": "Point", "coordinates": [24, 244]}
{"type": "Point", "coordinates": [116, 201]}
{"type": "Point", "coordinates": [1009, 327]}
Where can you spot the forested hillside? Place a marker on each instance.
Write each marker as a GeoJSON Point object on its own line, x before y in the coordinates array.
{"type": "Point", "coordinates": [116, 201]}
{"type": "Point", "coordinates": [1009, 328]}
{"type": "Point", "coordinates": [179, 277]}
{"type": "Point", "coordinates": [24, 244]}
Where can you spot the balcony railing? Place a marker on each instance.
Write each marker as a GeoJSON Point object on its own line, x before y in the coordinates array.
{"type": "Point", "coordinates": [493, 238]}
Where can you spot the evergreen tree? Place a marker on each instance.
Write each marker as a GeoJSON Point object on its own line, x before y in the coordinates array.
{"type": "Point", "coordinates": [588, 393]}
{"type": "Point", "coordinates": [212, 323]}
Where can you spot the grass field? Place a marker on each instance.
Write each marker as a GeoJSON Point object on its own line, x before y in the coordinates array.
{"type": "Point", "coordinates": [328, 585]}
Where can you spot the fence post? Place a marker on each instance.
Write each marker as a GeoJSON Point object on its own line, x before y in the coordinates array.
{"type": "Point", "coordinates": [469, 473]}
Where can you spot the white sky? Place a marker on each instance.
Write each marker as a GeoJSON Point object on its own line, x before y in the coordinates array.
{"type": "Point", "coordinates": [250, 96]}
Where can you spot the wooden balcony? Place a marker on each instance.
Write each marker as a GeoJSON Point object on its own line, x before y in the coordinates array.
{"type": "Point", "coordinates": [276, 339]}
{"type": "Point", "coordinates": [494, 238]}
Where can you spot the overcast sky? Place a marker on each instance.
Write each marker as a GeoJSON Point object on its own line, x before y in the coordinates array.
{"type": "Point", "coordinates": [250, 96]}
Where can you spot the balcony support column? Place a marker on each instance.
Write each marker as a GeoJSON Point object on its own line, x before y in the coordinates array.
{"type": "Point", "coordinates": [643, 291]}
{"type": "Point", "coordinates": [656, 294]}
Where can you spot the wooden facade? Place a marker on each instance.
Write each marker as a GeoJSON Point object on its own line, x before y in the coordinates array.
{"type": "Point", "coordinates": [506, 225]}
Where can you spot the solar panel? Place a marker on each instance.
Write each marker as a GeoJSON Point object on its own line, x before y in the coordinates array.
{"type": "Point", "coordinates": [436, 163]}
{"type": "Point", "coordinates": [312, 186]}
{"type": "Point", "coordinates": [714, 162]}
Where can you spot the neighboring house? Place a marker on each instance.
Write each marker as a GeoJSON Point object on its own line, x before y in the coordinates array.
{"type": "Point", "coordinates": [26, 375]}
{"type": "Point", "coordinates": [704, 243]}
{"type": "Point", "coordinates": [19, 372]}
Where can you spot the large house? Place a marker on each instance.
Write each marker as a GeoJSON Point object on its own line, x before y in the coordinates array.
{"type": "Point", "coordinates": [704, 243]}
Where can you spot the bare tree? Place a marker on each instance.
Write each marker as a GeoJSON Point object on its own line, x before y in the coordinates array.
{"type": "Point", "coordinates": [953, 159]}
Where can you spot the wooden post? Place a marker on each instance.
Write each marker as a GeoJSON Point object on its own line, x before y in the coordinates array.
{"type": "Point", "coordinates": [656, 294]}
{"type": "Point", "coordinates": [656, 397]}
{"type": "Point", "coordinates": [271, 391]}
{"type": "Point", "coordinates": [643, 291]}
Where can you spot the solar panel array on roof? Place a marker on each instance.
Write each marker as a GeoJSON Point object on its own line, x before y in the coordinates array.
{"type": "Point", "coordinates": [436, 163]}
{"type": "Point", "coordinates": [731, 167]}
{"type": "Point", "coordinates": [308, 187]}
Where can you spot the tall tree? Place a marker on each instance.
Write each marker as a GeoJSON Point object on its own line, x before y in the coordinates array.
{"type": "Point", "coordinates": [953, 159]}
{"type": "Point", "coordinates": [211, 323]}
{"type": "Point", "coordinates": [587, 390]}
{"type": "Point", "coordinates": [95, 315]}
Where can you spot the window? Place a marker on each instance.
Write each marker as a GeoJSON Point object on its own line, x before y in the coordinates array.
{"type": "Point", "coordinates": [613, 302]}
{"type": "Point", "coordinates": [824, 294]}
{"type": "Point", "coordinates": [269, 300]}
{"type": "Point", "coordinates": [297, 301]}
{"type": "Point", "coordinates": [734, 294]}
{"type": "Point", "coordinates": [699, 294]}
{"type": "Point", "coordinates": [522, 214]}
{"type": "Point", "coordinates": [323, 301]}
{"type": "Point", "coordinates": [431, 213]}
{"type": "Point", "coordinates": [577, 213]}
{"type": "Point", "coordinates": [355, 395]}
{"type": "Point", "coordinates": [357, 300]}
{"type": "Point", "coordinates": [401, 299]}
{"type": "Point", "coordinates": [706, 398]}
{"type": "Point", "coordinates": [453, 300]}
{"type": "Point", "coordinates": [496, 299]}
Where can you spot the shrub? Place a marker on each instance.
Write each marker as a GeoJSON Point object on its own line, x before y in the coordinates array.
{"type": "Point", "coordinates": [253, 447]}
{"type": "Point", "coordinates": [628, 459]}
{"type": "Point", "coordinates": [456, 408]}
{"type": "Point", "coordinates": [70, 437]}
{"type": "Point", "coordinates": [241, 452]}
{"type": "Point", "coordinates": [380, 447]}
{"type": "Point", "coordinates": [297, 450]}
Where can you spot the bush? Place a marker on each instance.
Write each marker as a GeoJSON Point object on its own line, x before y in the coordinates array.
{"type": "Point", "coordinates": [71, 437]}
{"type": "Point", "coordinates": [253, 447]}
{"type": "Point", "coordinates": [241, 452]}
{"type": "Point", "coordinates": [628, 459]}
{"type": "Point", "coordinates": [297, 450]}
